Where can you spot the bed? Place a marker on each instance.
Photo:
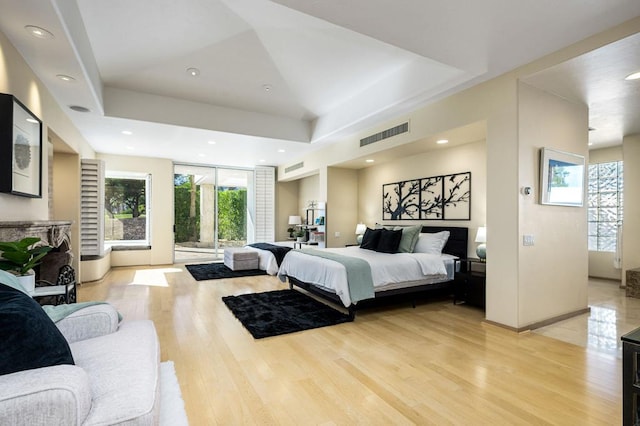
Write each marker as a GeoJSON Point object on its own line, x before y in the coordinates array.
{"type": "Point", "coordinates": [392, 274]}
{"type": "Point", "coordinates": [270, 255]}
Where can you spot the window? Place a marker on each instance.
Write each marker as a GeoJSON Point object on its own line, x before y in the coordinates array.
{"type": "Point", "coordinates": [605, 205]}
{"type": "Point", "coordinates": [126, 205]}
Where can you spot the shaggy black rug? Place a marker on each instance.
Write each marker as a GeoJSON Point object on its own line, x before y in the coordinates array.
{"type": "Point", "coordinates": [280, 312]}
{"type": "Point", "coordinates": [216, 271]}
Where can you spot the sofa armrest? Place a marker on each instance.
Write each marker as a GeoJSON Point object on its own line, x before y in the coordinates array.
{"type": "Point", "coordinates": [89, 322]}
{"type": "Point", "coordinates": [58, 395]}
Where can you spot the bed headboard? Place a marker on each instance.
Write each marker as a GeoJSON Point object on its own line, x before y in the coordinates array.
{"type": "Point", "coordinates": [458, 239]}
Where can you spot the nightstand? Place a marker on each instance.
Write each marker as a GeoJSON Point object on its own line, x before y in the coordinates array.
{"type": "Point", "coordinates": [469, 283]}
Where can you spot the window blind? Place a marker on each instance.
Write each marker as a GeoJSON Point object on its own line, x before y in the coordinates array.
{"type": "Point", "coordinates": [92, 208]}
{"type": "Point", "coordinates": [265, 186]}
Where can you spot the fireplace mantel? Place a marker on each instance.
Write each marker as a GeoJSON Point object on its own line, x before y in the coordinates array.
{"type": "Point", "coordinates": [56, 233]}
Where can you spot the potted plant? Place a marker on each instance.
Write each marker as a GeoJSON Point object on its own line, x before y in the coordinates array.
{"type": "Point", "coordinates": [291, 230]}
{"type": "Point", "coordinates": [20, 257]}
{"type": "Point", "coordinates": [300, 234]}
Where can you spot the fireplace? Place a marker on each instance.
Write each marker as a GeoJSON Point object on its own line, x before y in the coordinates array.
{"type": "Point", "coordinates": [56, 233]}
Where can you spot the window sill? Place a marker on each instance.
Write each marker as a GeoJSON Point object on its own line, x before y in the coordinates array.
{"type": "Point", "coordinates": [131, 247]}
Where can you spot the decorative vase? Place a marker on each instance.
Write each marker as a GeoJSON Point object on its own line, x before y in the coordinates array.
{"type": "Point", "coordinates": [481, 251]}
{"type": "Point", "coordinates": [28, 282]}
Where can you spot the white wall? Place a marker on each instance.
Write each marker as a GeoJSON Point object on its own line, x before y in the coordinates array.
{"type": "Point", "coordinates": [161, 214]}
{"type": "Point", "coordinates": [342, 206]}
{"type": "Point", "coordinates": [16, 78]}
{"type": "Point", "coordinates": [553, 273]}
{"type": "Point", "coordinates": [469, 157]}
{"type": "Point", "coordinates": [631, 226]}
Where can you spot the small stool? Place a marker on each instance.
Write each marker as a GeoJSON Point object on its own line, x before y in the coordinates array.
{"type": "Point", "coordinates": [240, 259]}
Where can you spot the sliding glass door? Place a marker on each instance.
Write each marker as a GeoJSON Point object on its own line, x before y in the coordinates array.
{"type": "Point", "coordinates": [211, 211]}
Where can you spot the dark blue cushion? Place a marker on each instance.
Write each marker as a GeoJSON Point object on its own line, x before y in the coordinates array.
{"type": "Point", "coordinates": [389, 241]}
{"type": "Point", "coordinates": [370, 239]}
{"type": "Point", "coordinates": [29, 338]}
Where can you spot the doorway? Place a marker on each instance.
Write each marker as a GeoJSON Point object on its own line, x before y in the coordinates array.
{"type": "Point", "coordinates": [212, 211]}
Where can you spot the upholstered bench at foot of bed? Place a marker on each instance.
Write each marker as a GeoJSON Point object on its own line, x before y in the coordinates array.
{"type": "Point", "coordinates": [239, 259]}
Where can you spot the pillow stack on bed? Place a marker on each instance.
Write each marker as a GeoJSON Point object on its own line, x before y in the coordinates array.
{"type": "Point", "coordinates": [404, 240]}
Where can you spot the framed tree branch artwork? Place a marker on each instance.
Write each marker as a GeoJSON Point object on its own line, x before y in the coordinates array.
{"type": "Point", "coordinates": [457, 196]}
{"type": "Point", "coordinates": [446, 197]}
{"type": "Point", "coordinates": [20, 149]}
{"type": "Point", "coordinates": [391, 201]}
{"type": "Point", "coordinates": [431, 198]}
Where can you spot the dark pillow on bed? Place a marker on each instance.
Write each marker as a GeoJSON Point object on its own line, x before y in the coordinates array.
{"type": "Point", "coordinates": [389, 241]}
{"type": "Point", "coordinates": [370, 239]}
{"type": "Point", "coordinates": [29, 338]}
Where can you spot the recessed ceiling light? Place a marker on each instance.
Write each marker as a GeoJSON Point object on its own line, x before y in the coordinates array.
{"type": "Point", "coordinates": [281, 150]}
{"type": "Point", "coordinates": [130, 148]}
{"type": "Point", "coordinates": [66, 78]}
{"type": "Point", "coordinates": [193, 72]}
{"type": "Point", "coordinates": [79, 108]}
{"type": "Point", "coordinates": [38, 32]}
{"type": "Point", "coordinates": [442, 141]}
{"type": "Point", "coordinates": [369, 160]}
{"type": "Point", "coordinates": [201, 155]}
{"type": "Point", "coordinates": [267, 87]}
{"type": "Point", "coordinates": [590, 143]}
{"type": "Point", "coordinates": [127, 132]}
{"type": "Point", "coordinates": [634, 76]}
{"type": "Point", "coordinates": [31, 120]}
{"type": "Point", "coordinates": [262, 161]}
{"type": "Point", "coordinates": [212, 142]}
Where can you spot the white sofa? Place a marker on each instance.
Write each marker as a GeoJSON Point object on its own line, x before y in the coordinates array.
{"type": "Point", "coordinates": [115, 379]}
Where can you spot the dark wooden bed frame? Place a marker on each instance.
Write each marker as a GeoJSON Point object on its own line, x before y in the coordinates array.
{"type": "Point", "coordinates": [456, 245]}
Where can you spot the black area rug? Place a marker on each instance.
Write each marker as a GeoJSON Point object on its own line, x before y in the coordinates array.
{"type": "Point", "coordinates": [281, 312]}
{"type": "Point", "coordinates": [216, 271]}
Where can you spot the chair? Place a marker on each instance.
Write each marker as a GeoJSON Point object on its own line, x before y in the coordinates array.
{"type": "Point", "coordinates": [63, 290]}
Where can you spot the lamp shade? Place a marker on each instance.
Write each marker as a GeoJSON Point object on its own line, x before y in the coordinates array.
{"type": "Point", "coordinates": [361, 228]}
{"type": "Point", "coordinates": [295, 220]}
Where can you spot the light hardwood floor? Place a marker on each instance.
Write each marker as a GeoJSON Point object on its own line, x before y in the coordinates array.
{"type": "Point", "coordinates": [435, 364]}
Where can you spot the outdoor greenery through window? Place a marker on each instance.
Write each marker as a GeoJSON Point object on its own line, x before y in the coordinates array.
{"type": "Point", "coordinates": [605, 205]}
{"type": "Point", "coordinates": [231, 206]}
{"type": "Point", "coordinates": [126, 209]}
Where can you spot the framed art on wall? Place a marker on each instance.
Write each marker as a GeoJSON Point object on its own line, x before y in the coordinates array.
{"type": "Point", "coordinates": [562, 177]}
{"type": "Point", "coordinates": [20, 149]}
{"type": "Point", "coordinates": [445, 197]}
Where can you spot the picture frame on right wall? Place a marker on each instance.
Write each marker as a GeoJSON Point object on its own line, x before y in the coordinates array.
{"type": "Point", "coordinates": [562, 178]}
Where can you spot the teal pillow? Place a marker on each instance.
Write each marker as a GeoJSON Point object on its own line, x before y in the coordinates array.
{"type": "Point", "coordinates": [409, 239]}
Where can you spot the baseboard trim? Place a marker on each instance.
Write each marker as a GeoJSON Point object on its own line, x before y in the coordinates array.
{"type": "Point", "coordinates": [540, 324]}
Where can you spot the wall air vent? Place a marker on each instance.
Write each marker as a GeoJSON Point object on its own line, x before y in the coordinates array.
{"type": "Point", "coordinates": [294, 167]}
{"type": "Point", "coordinates": [385, 134]}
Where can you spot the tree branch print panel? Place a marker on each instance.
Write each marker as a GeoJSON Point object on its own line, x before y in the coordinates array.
{"type": "Point", "coordinates": [445, 197]}
{"type": "Point", "coordinates": [457, 196]}
{"type": "Point", "coordinates": [431, 198]}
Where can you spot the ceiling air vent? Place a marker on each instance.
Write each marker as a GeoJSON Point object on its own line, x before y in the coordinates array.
{"type": "Point", "coordinates": [294, 167]}
{"type": "Point", "coordinates": [385, 134]}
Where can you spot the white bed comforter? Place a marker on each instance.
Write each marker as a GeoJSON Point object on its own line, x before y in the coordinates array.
{"type": "Point", "coordinates": [385, 268]}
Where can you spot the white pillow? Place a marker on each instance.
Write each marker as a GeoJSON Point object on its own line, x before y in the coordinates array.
{"type": "Point", "coordinates": [431, 243]}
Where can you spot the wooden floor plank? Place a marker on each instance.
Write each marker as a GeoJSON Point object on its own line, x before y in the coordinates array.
{"type": "Point", "coordinates": [436, 363]}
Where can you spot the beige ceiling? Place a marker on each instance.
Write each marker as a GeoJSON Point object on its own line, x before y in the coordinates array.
{"type": "Point", "coordinates": [332, 68]}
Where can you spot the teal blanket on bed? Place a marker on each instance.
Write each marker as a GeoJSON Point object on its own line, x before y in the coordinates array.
{"type": "Point", "coordinates": [358, 273]}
